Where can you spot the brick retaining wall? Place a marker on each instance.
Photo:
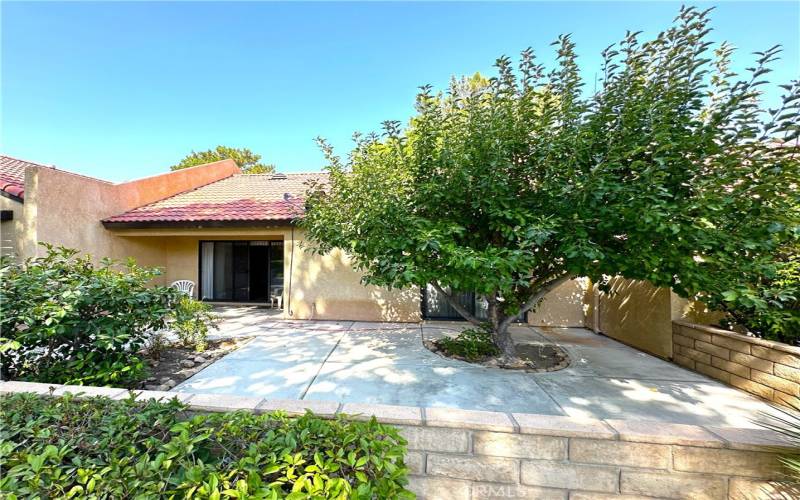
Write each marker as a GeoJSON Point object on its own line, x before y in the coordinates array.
{"type": "Point", "coordinates": [461, 454]}
{"type": "Point", "coordinates": [770, 370]}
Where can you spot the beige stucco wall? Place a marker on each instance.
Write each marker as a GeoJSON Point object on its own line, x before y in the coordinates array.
{"type": "Point", "coordinates": [564, 306]}
{"type": "Point", "coordinates": [641, 315]}
{"type": "Point", "coordinates": [63, 208]}
{"type": "Point", "coordinates": [321, 287]}
{"type": "Point", "coordinates": [11, 231]}
{"type": "Point", "coordinates": [328, 287]}
{"type": "Point", "coordinates": [693, 311]}
{"type": "Point", "coordinates": [66, 209]}
{"type": "Point", "coordinates": [634, 312]}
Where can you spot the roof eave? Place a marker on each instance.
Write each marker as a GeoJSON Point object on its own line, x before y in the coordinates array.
{"type": "Point", "coordinates": [197, 224]}
{"type": "Point", "coordinates": [10, 196]}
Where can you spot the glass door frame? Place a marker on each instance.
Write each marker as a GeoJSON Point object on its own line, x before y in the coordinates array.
{"type": "Point", "coordinates": [471, 307]}
{"type": "Point", "coordinates": [271, 245]}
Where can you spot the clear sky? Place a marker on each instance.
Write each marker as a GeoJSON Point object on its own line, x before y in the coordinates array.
{"type": "Point", "coordinates": [123, 90]}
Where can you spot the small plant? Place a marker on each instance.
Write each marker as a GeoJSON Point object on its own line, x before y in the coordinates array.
{"type": "Point", "coordinates": [192, 321]}
{"type": "Point", "coordinates": [472, 344]}
{"type": "Point", "coordinates": [64, 447]}
{"type": "Point", "coordinates": [155, 345]}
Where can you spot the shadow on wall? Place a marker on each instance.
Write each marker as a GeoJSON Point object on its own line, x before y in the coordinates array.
{"type": "Point", "coordinates": [562, 306]}
{"type": "Point", "coordinates": [395, 304]}
{"type": "Point", "coordinates": [327, 287]}
{"type": "Point", "coordinates": [638, 314]}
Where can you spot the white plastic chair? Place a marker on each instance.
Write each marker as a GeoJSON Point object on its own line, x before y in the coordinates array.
{"type": "Point", "coordinates": [276, 298]}
{"type": "Point", "coordinates": [185, 286]}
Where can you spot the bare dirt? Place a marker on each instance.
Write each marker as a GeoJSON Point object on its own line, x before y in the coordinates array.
{"type": "Point", "coordinates": [176, 364]}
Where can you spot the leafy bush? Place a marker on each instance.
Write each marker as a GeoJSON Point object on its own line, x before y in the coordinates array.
{"type": "Point", "coordinates": [769, 307]}
{"type": "Point", "coordinates": [64, 447]}
{"type": "Point", "coordinates": [66, 320]}
{"type": "Point", "coordinates": [192, 321]}
{"type": "Point", "coordinates": [471, 344]}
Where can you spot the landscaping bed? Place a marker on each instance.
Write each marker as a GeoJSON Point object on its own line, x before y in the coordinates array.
{"type": "Point", "coordinates": [475, 346]}
{"type": "Point", "coordinates": [64, 447]}
{"type": "Point", "coordinates": [176, 363]}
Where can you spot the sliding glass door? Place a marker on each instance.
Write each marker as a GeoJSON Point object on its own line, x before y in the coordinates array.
{"type": "Point", "coordinates": [241, 271]}
{"type": "Point", "coordinates": [434, 306]}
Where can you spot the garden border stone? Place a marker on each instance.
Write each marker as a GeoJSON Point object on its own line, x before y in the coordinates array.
{"type": "Point", "coordinates": [468, 455]}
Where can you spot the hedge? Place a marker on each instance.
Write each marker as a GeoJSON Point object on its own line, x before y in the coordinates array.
{"type": "Point", "coordinates": [65, 447]}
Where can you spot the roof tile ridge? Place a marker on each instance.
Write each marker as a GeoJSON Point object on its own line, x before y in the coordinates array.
{"type": "Point", "coordinates": [56, 168]}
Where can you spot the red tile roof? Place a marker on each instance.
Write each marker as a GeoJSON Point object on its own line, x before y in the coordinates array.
{"type": "Point", "coordinates": [240, 197]}
{"type": "Point", "coordinates": [12, 175]}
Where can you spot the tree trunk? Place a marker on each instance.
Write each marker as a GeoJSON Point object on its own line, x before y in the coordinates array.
{"type": "Point", "coordinates": [455, 305]}
{"type": "Point", "coordinates": [499, 321]}
{"type": "Point", "coordinates": [500, 335]}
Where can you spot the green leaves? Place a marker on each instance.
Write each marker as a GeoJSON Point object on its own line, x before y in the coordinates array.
{"type": "Point", "coordinates": [471, 344]}
{"type": "Point", "coordinates": [52, 447]}
{"type": "Point", "coordinates": [249, 162]}
{"type": "Point", "coordinates": [769, 305]}
{"type": "Point", "coordinates": [66, 320]}
{"type": "Point", "coordinates": [503, 185]}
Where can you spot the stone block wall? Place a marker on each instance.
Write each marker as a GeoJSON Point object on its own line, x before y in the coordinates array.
{"type": "Point", "coordinates": [561, 458]}
{"type": "Point", "coordinates": [770, 370]}
{"type": "Point", "coordinates": [464, 455]}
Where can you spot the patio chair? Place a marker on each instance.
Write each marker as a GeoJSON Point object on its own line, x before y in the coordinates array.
{"type": "Point", "coordinates": [185, 286]}
{"type": "Point", "coordinates": [276, 298]}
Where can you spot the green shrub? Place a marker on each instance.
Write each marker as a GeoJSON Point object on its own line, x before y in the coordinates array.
{"type": "Point", "coordinates": [66, 320]}
{"type": "Point", "coordinates": [99, 448]}
{"type": "Point", "coordinates": [192, 321]}
{"type": "Point", "coordinates": [769, 307]}
{"type": "Point", "coordinates": [471, 344]}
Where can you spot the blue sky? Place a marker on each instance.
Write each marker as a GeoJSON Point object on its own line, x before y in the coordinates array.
{"type": "Point", "coordinates": [123, 90]}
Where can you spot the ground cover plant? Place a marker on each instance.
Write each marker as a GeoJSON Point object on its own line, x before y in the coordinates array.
{"type": "Point", "coordinates": [472, 344]}
{"type": "Point", "coordinates": [475, 346]}
{"type": "Point", "coordinates": [510, 186]}
{"type": "Point", "coordinates": [64, 447]}
{"type": "Point", "coordinates": [65, 319]}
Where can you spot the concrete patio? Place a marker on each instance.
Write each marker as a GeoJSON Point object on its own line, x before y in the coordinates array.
{"type": "Point", "coordinates": [386, 363]}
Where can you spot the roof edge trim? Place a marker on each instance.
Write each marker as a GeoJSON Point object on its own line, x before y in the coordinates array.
{"type": "Point", "coordinates": [199, 224]}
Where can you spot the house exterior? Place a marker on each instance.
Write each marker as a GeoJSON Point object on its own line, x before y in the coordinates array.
{"type": "Point", "coordinates": [12, 194]}
{"type": "Point", "coordinates": [234, 235]}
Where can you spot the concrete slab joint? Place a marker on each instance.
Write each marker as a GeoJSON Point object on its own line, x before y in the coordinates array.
{"type": "Point", "coordinates": [463, 454]}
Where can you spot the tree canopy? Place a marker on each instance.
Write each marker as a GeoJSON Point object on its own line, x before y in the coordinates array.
{"type": "Point", "coordinates": [249, 162]}
{"type": "Point", "coordinates": [669, 172]}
